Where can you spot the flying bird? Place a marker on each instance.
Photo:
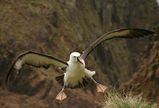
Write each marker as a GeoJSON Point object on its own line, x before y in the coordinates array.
{"type": "Point", "coordinates": [76, 73]}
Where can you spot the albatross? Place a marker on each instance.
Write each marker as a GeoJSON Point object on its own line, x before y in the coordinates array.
{"type": "Point", "coordinates": [75, 73]}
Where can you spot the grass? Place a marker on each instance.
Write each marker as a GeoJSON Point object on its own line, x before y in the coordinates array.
{"type": "Point", "coordinates": [116, 100]}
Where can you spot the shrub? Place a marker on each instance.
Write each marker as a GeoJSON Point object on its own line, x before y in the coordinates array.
{"type": "Point", "coordinates": [116, 100]}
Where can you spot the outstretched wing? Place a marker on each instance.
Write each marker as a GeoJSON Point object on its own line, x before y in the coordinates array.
{"type": "Point", "coordinates": [35, 59]}
{"type": "Point", "coordinates": [119, 33]}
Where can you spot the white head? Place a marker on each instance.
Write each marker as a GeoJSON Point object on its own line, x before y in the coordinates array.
{"type": "Point", "coordinates": [74, 56]}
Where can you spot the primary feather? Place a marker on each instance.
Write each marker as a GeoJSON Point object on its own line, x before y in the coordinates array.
{"type": "Point", "coordinates": [119, 33]}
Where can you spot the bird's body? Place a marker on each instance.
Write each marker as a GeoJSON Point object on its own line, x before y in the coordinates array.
{"type": "Point", "coordinates": [76, 72]}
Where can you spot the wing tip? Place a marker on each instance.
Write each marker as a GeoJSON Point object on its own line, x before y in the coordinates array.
{"type": "Point", "coordinates": [8, 75]}
{"type": "Point", "coordinates": [139, 32]}
{"type": "Point", "coordinates": [147, 31]}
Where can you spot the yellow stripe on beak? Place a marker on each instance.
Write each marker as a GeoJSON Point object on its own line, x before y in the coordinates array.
{"type": "Point", "coordinates": [79, 60]}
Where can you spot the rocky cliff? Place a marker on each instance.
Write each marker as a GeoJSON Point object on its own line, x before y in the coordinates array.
{"type": "Point", "coordinates": [58, 27]}
{"type": "Point", "coordinates": [145, 81]}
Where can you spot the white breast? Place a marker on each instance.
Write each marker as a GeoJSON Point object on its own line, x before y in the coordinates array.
{"type": "Point", "coordinates": [74, 73]}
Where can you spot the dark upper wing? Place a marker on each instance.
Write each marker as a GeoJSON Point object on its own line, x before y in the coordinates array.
{"type": "Point", "coordinates": [35, 59]}
{"type": "Point", "coordinates": [119, 33]}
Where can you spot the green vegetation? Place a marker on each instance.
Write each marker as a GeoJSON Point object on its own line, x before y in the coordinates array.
{"type": "Point", "coordinates": [116, 100]}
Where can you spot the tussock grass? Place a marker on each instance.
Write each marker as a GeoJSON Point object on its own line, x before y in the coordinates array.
{"type": "Point", "coordinates": [116, 100]}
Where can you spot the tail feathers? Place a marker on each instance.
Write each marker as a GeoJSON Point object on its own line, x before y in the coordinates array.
{"type": "Point", "coordinates": [60, 79]}
{"type": "Point", "coordinates": [84, 82]}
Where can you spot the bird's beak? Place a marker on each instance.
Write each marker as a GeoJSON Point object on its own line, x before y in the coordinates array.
{"type": "Point", "coordinates": [79, 59]}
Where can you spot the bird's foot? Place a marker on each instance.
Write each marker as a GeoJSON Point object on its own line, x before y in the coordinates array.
{"type": "Point", "coordinates": [61, 96]}
{"type": "Point", "coordinates": [101, 88]}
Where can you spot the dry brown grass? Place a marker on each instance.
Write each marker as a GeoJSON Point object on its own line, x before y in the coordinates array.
{"type": "Point", "coordinates": [116, 100]}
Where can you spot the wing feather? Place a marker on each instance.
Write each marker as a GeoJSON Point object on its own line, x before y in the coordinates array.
{"type": "Point", "coordinates": [119, 33]}
{"type": "Point", "coordinates": [35, 59]}
{"type": "Point", "coordinates": [38, 60]}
